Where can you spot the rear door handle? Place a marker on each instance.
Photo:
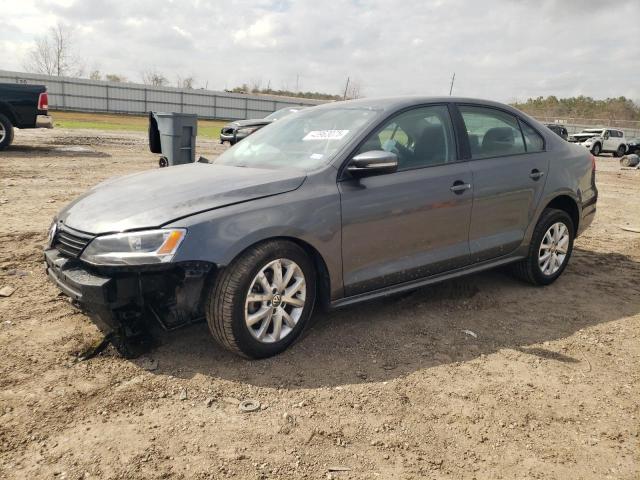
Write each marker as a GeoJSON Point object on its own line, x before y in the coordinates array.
{"type": "Point", "coordinates": [459, 187]}
{"type": "Point", "coordinates": [536, 174]}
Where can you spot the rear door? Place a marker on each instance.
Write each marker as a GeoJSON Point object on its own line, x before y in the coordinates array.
{"type": "Point", "coordinates": [509, 167]}
{"type": "Point", "coordinates": [412, 223]}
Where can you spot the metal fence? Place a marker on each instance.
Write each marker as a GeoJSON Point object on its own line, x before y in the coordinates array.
{"type": "Point", "coordinates": [76, 94]}
{"type": "Point", "coordinates": [631, 128]}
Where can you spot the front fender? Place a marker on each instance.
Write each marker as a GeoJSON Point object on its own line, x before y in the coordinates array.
{"type": "Point", "coordinates": [310, 214]}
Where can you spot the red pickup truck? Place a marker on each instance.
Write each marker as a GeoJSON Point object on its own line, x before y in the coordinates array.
{"type": "Point", "coordinates": [22, 106]}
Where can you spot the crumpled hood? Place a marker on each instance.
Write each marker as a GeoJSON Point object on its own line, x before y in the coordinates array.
{"type": "Point", "coordinates": [248, 123]}
{"type": "Point", "coordinates": [156, 197]}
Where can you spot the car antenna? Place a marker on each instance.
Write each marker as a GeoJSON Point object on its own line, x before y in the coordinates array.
{"type": "Point", "coordinates": [453, 79]}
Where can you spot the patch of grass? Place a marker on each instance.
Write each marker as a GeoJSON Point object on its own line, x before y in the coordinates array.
{"type": "Point", "coordinates": [131, 123]}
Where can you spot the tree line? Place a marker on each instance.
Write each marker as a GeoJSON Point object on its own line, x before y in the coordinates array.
{"type": "Point", "coordinates": [620, 108]}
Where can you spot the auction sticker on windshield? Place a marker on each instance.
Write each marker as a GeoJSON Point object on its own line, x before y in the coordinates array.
{"type": "Point", "coordinates": [325, 135]}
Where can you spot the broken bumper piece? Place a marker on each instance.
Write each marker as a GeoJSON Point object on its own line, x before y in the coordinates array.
{"type": "Point", "coordinates": [98, 295]}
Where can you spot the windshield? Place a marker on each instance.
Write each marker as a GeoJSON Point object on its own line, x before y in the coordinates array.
{"type": "Point", "coordinates": [283, 112]}
{"type": "Point", "coordinates": [591, 131]}
{"type": "Point", "coordinates": [305, 141]}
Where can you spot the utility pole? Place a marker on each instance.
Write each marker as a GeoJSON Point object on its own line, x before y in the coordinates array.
{"type": "Point", "coordinates": [297, 82]}
{"type": "Point", "coordinates": [346, 88]}
{"type": "Point", "coordinates": [453, 79]}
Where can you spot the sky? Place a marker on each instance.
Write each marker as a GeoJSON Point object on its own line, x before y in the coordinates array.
{"type": "Point", "coordinates": [505, 50]}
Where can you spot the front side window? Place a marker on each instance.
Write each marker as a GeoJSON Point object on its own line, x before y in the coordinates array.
{"type": "Point", "coordinates": [492, 133]}
{"type": "Point", "coordinates": [420, 137]}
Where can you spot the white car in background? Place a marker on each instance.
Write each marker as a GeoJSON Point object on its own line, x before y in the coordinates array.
{"type": "Point", "coordinates": [599, 140]}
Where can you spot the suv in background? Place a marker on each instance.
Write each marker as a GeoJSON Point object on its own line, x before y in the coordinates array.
{"type": "Point", "coordinates": [22, 106]}
{"type": "Point", "coordinates": [235, 131]}
{"type": "Point", "coordinates": [559, 130]}
{"type": "Point", "coordinates": [601, 140]}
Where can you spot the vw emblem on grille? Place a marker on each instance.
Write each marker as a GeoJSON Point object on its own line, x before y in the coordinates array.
{"type": "Point", "coordinates": [52, 234]}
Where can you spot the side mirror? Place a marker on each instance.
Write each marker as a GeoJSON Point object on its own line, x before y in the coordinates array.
{"type": "Point", "coordinates": [375, 162]}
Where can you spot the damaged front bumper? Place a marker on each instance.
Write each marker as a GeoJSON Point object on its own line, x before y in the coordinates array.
{"type": "Point", "coordinates": [121, 301]}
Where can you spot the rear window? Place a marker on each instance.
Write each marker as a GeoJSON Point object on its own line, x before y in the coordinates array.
{"type": "Point", "coordinates": [492, 133]}
{"type": "Point", "coordinates": [532, 139]}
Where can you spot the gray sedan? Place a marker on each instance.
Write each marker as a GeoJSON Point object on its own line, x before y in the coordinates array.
{"type": "Point", "coordinates": [337, 204]}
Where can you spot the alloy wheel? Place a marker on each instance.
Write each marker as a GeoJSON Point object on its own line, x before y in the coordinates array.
{"type": "Point", "coordinates": [553, 248]}
{"type": "Point", "coordinates": [3, 132]}
{"type": "Point", "coordinates": [275, 300]}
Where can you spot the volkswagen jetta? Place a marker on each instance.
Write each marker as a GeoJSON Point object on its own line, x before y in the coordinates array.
{"type": "Point", "coordinates": [340, 203]}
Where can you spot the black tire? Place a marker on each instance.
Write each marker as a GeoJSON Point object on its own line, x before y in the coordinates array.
{"type": "Point", "coordinates": [7, 126]}
{"type": "Point", "coordinates": [596, 150]}
{"type": "Point", "coordinates": [620, 151]}
{"type": "Point", "coordinates": [528, 269]}
{"type": "Point", "coordinates": [225, 304]}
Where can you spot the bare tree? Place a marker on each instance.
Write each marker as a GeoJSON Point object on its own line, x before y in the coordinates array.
{"type": "Point", "coordinates": [95, 75]}
{"type": "Point", "coordinates": [186, 82]}
{"type": "Point", "coordinates": [354, 90]}
{"type": "Point", "coordinates": [53, 53]}
{"type": "Point", "coordinates": [255, 84]}
{"type": "Point", "coordinates": [112, 77]}
{"type": "Point", "coordinates": [154, 78]}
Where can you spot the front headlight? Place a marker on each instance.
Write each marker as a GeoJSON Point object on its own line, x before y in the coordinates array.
{"type": "Point", "coordinates": [134, 248]}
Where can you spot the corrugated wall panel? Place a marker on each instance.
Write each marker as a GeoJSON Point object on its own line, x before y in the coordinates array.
{"type": "Point", "coordinates": [99, 96]}
{"type": "Point", "coordinates": [230, 113]}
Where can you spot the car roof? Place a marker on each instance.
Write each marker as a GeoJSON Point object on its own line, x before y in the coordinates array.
{"type": "Point", "coordinates": [397, 103]}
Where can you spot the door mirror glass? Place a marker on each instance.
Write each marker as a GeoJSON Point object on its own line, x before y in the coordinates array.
{"type": "Point", "coordinates": [374, 162]}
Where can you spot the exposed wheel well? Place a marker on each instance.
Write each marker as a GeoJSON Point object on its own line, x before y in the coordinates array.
{"type": "Point", "coordinates": [6, 111]}
{"type": "Point", "coordinates": [323, 296]}
{"type": "Point", "coordinates": [567, 204]}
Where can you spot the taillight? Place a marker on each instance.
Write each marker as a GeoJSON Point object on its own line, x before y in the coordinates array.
{"type": "Point", "coordinates": [593, 163]}
{"type": "Point", "coordinates": [43, 101]}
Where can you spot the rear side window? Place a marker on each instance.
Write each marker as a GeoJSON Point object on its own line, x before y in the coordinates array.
{"type": "Point", "coordinates": [492, 133]}
{"type": "Point", "coordinates": [532, 139]}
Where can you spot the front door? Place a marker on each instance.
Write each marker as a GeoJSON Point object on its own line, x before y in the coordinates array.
{"type": "Point", "coordinates": [509, 170]}
{"type": "Point", "coordinates": [412, 223]}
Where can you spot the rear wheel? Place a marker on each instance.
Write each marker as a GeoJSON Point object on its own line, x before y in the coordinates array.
{"type": "Point", "coordinates": [550, 249]}
{"type": "Point", "coordinates": [6, 132]}
{"type": "Point", "coordinates": [620, 151]}
{"type": "Point", "coordinates": [596, 149]}
{"type": "Point", "coordinates": [263, 300]}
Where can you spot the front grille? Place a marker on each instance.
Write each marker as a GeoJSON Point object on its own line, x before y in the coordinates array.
{"type": "Point", "coordinates": [71, 243]}
{"type": "Point", "coordinates": [228, 130]}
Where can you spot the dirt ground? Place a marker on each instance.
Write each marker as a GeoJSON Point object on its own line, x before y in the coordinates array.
{"type": "Point", "coordinates": [549, 389]}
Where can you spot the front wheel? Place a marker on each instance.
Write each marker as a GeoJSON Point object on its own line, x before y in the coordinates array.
{"type": "Point", "coordinates": [596, 150]}
{"type": "Point", "coordinates": [261, 302]}
{"type": "Point", "coordinates": [6, 132]}
{"type": "Point", "coordinates": [550, 249]}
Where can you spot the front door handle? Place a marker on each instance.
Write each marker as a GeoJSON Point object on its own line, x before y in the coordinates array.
{"type": "Point", "coordinates": [459, 187]}
{"type": "Point", "coordinates": [536, 174]}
